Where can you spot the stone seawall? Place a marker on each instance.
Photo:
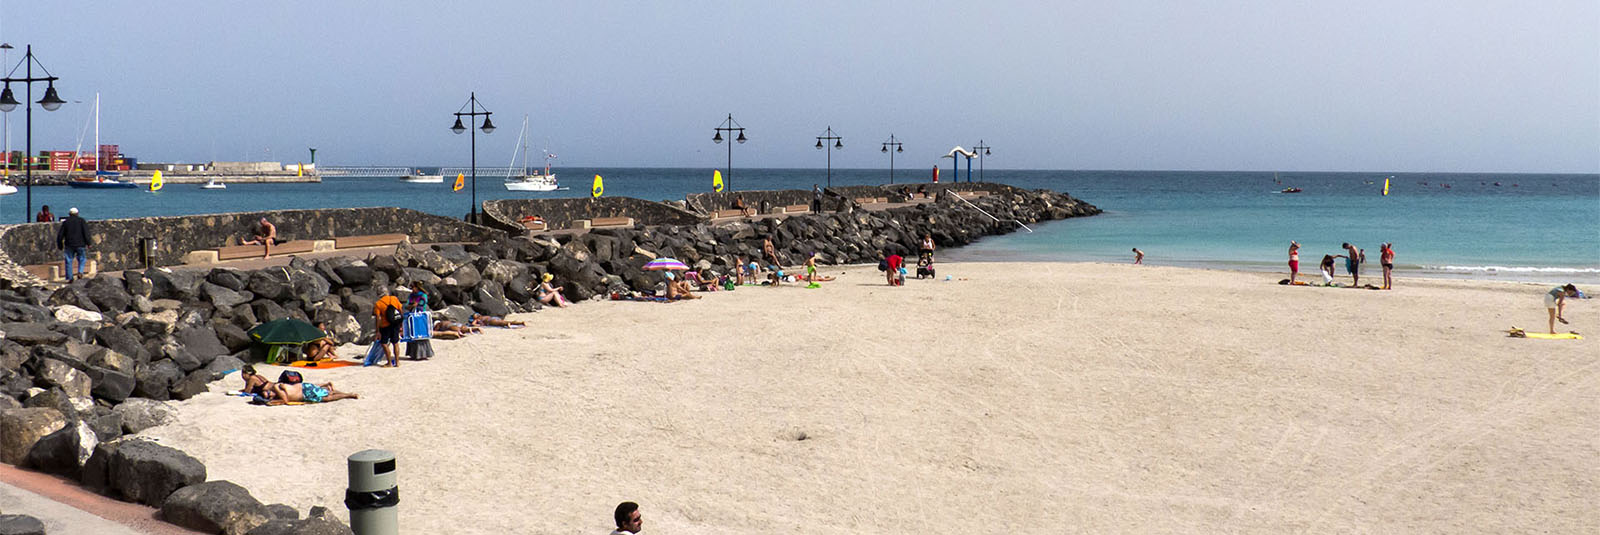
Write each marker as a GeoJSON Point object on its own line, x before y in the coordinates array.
{"type": "Point", "coordinates": [116, 241]}
{"type": "Point", "coordinates": [834, 199]}
{"type": "Point", "coordinates": [505, 214]}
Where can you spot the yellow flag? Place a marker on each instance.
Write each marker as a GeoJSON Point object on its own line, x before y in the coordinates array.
{"type": "Point", "coordinates": [461, 182]}
{"type": "Point", "coordinates": [156, 182]}
{"type": "Point", "coordinates": [716, 180]}
{"type": "Point", "coordinates": [299, 169]}
{"type": "Point", "coordinates": [599, 187]}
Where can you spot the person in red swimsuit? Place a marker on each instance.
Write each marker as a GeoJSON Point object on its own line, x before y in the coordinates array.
{"type": "Point", "coordinates": [1386, 258]}
{"type": "Point", "coordinates": [1294, 260]}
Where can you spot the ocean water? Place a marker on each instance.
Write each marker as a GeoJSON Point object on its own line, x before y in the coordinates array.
{"type": "Point", "coordinates": [1528, 227]}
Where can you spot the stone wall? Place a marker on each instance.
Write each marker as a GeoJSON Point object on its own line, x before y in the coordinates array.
{"type": "Point", "coordinates": [560, 213]}
{"type": "Point", "coordinates": [116, 241]}
{"type": "Point", "coordinates": [834, 199]}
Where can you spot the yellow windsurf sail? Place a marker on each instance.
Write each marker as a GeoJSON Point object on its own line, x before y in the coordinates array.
{"type": "Point", "coordinates": [156, 182]}
{"type": "Point", "coordinates": [461, 182]}
{"type": "Point", "coordinates": [1385, 187]}
{"type": "Point", "coordinates": [599, 187]}
{"type": "Point", "coordinates": [716, 180]}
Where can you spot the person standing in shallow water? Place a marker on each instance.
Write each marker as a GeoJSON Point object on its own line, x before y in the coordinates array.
{"type": "Point", "coordinates": [1386, 259]}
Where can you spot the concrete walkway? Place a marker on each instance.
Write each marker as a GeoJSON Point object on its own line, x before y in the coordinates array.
{"type": "Point", "coordinates": [64, 507]}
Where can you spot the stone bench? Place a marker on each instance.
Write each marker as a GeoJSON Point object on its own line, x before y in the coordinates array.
{"type": "Point", "coordinates": [796, 209]}
{"type": "Point", "coordinates": [864, 200]}
{"type": "Point", "coordinates": [599, 222]}
{"type": "Point", "coordinates": [374, 240]}
{"type": "Point", "coordinates": [237, 252]}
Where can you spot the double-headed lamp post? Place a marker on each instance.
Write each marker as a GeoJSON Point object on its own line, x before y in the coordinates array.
{"type": "Point", "coordinates": [730, 126]}
{"type": "Point", "coordinates": [50, 102]}
{"type": "Point", "coordinates": [838, 143]}
{"type": "Point", "coordinates": [982, 150]}
{"type": "Point", "coordinates": [892, 142]}
{"type": "Point", "coordinates": [472, 106]}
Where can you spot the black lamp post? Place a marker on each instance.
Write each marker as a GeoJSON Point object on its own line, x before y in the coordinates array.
{"type": "Point", "coordinates": [472, 106]}
{"type": "Point", "coordinates": [50, 102]}
{"type": "Point", "coordinates": [730, 126]}
{"type": "Point", "coordinates": [892, 142]}
{"type": "Point", "coordinates": [837, 144]}
{"type": "Point", "coordinates": [982, 150]}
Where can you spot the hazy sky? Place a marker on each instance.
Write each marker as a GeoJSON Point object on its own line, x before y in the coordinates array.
{"type": "Point", "coordinates": [1262, 85]}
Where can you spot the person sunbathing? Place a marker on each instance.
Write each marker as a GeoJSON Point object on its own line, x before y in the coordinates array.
{"type": "Point", "coordinates": [548, 293]}
{"type": "Point", "coordinates": [479, 319]}
{"type": "Point", "coordinates": [449, 330]}
{"type": "Point", "coordinates": [281, 394]}
{"type": "Point", "coordinates": [254, 383]}
{"type": "Point", "coordinates": [696, 278]}
{"type": "Point", "coordinates": [678, 288]}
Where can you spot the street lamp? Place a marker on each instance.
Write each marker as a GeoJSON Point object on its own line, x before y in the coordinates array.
{"type": "Point", "coordinates": [837, 144]}
{"type": "Point", "coordinates": [50, 102]}
{"type": "Point", "coordinates": [730, 126]}
{"type": "Point", "coordinates": [892, 142]}
{"type": "Point", "coordinates": [982, 150]}
{"type": "Point", "coordinates": [472, 106]}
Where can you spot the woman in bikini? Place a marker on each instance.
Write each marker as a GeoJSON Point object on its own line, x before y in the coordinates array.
{"type": "Point", "coordinates": [1386, 259]}
{"type": "Point", "coordinates": [548, 294]}
{"type": "Point", "coordinates": [1294, 260]}
{"type": "Point", "coordinates": [479, 319]}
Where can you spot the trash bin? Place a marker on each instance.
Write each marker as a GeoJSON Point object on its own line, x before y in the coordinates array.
{"type": "Point", "coordinates": [373, 496]}
{"type": "Point", "coordinates": [147, 251]}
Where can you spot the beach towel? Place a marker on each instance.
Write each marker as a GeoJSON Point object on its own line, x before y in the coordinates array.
{"type": "Point", "coordinates": [325, 364]}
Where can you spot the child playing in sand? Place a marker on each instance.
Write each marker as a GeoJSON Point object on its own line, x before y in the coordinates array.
{"type": "Point", "coordinates": [1555, 301]}
{"type": "Point", "coordinates": [1138, 256]}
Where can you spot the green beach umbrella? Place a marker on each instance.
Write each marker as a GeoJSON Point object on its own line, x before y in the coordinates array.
{"type": "Point", "coordinates": [285, 331]}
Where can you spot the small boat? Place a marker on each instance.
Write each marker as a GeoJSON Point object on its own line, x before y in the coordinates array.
{"type": "Point", "coordinates": [419, 178]}
{"type": "Point", "coordinates": [1290, 190]}
{"type": "Point", "coordinates": [102, 182]}
{"type": "Point", "coordinates": [213, 184]}
{"type": "Point", "coordinates": [530, 181]}
{"type": "Point", "coordinates": [7, 189]}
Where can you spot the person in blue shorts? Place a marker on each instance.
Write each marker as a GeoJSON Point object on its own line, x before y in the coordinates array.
{"type": "Point", "coordinates": [1352, 262]}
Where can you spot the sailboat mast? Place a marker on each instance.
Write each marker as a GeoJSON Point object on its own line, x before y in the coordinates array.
{"type": "Point", "coordinates": [97, 135]}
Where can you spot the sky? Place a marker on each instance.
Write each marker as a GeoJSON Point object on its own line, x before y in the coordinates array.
{"type": "Point", "coordinates": [1484, 86]}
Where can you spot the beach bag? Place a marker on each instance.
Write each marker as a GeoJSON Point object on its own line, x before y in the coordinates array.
{"type": "Point", "coordinates": [373, 355]}
{"type": "Point", "coordinates": [883, 265]}
{"type": "Point", "coordinates": [290, 377]}
{"type": "Point", "coordinates": [392, 315]}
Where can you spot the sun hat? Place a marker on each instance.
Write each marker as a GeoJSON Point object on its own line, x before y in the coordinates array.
{"type": "Point", "coordinates": [546, 277]}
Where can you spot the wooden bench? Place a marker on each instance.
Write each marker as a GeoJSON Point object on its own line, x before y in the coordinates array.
{"type": "Point", "coordinates": [237, 252]}
{"type": "Point", "coordinates": [724, 214]}
{"type": "Point", "coordinates": [45, 272]}
{"type": "Point", "coordinates": [796, 209]}
{"type": "Point", "coordinates": [374, 240]}
{"type": "Point", "coordinates": [864, 200]}
{"type": "Point", "coordinates": [610, 222]}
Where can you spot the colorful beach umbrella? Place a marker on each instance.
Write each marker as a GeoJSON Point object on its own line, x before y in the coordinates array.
{"type": "Point", "coordinates": [665, 264]}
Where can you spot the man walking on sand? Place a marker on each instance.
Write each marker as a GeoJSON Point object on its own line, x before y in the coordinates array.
{"type": "Point", "coordinates": [265, 235]}
{"type": "Point", "coordinates": [628, 519]}
{"type": "Point", "coordinates": [1352, 263]}
{"type": "Point", "coordinates": [73, 239]}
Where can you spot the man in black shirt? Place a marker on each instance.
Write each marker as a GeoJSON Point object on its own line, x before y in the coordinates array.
{"type": "Point", "coordinates": [73, 238]}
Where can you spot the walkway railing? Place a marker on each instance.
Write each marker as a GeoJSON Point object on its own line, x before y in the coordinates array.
{"type": "Point", "coordinates": [991, 216]}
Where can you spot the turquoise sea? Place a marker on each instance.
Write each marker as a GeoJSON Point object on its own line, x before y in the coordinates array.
{"type": "Point", "coordinates": [1516, 226]}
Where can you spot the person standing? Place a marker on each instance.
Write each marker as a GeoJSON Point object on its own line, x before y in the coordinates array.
{"type": "Point", "coordinates": [73, 239]}
{"type": "Point", "coordinates": [389, 314]}
{"type": "Point", "coordinates": [816, 199]}
{"type": "Point", "coordinates": [1386, 259]}
{"type": "Point", "coordinates": [44, 215]}
{"type": "Point", "coordinates": [628, 519]}
{"type": "Point", "coordinates": [1352, 263]}
{"type": "Point", "coordinates": [1294, 261]}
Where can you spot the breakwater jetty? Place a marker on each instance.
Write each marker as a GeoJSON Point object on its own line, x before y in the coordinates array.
{"type": "Point", "coordinates": [85, 365]}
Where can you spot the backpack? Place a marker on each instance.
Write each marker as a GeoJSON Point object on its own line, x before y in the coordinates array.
{"type": "Point", "coordinates": [392, 315]}
{"type": "Point", "coordinates": [883, 265]}
{"type": "Point", "coordinates": [290, 377]}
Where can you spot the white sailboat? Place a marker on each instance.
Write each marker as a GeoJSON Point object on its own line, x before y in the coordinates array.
{"type": "Point", "coordinates": [534, 181]}
{"type": "Point", "coordinates": [102, 179]}
{"type": "Point", "coordinates": [418, 177]}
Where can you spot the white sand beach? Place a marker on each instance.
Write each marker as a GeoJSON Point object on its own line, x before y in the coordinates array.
{"type": "Point", "coordinates": [1040, 398]}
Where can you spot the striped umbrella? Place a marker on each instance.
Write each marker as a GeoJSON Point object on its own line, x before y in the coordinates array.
{"type": "Point", "coordinates": [665, 264]}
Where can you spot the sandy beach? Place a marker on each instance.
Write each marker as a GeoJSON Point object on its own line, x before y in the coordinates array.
{"type": "Point", "coordinates": [1046, 398]}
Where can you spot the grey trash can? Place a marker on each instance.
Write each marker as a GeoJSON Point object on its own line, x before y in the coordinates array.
{"type": "Point", "coordinates": [147, 251]}
{"type": "Point", "coordinates": [374, 493]}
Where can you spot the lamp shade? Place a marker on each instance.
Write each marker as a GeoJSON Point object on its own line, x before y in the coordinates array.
{"type": "Point", "coordinates": [717, 138]}
{"type": "Point", "coordinates": [458, 128]}
{"type": "Point", "coordinates": [885, 148]}
{"type": "Point", "coordinates": [838, 144]}
{"type": "Point", "coordinates": [488, 127]}
{"type": "Point", "coordinates": [819, 143]}
{"type": "Point", "coordinates": [898, 148]}
{"type": "Point", "coordinates": [8, 100]}
{"type": "Point", "coordinates": [51, 101]}
{"type": "Point", "coordinates": [742, 139]}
